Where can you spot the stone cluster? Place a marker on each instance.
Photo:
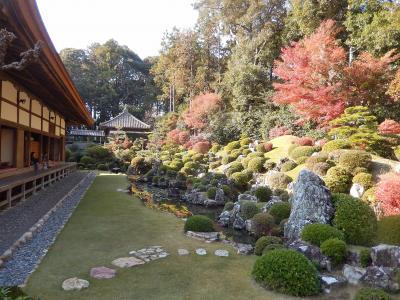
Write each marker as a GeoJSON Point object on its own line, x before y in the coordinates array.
{"type": "Point", "coordinates": [151, 253]}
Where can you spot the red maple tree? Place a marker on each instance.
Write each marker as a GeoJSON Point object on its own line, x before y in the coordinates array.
{"type": "Point", "coordinates": [387, 192]}
{"type": "Point", "coordinates": [202, 105]}
{"type": "Point", "coordinates": [389, 127]}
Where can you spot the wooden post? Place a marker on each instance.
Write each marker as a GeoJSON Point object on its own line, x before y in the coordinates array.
{"type": "Point", "coordinates": [9, 197]}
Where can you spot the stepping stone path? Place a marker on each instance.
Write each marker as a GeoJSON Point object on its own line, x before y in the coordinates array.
{"type": "Point", "coordinates": [127, 262]}
{"type": "Point", "coordinates": [221, 253]}
{"type": "Point", "coordinates": [201, 251]}
{"type": "Point", "coordinates": [151, 253]}
{"type": "Point", "coordinates": [102, 273]}
{"type": "Point", "coordinates": [182, 252]}
{"type": "Point", "coordinates": [72, 284]}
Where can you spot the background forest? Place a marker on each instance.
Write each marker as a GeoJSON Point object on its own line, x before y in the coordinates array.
{"type": "Point", "coordinates": [256, 68]}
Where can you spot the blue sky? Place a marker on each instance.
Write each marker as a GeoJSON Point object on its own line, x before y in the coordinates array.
{"type": "Point", "coordinates": [139, 24]}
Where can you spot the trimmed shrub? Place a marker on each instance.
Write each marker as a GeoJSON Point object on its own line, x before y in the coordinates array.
{"type": "Point", "coordinates": [301, 151]}
{"type": "Point", "coordinates": [315, 159]}
{"type": "Point", "coordinates": [240, 178]}
{"type": "Point", "coordinates": [202, 147]}
{"type": "Point", "coordinates": [232, 145]}
{"type": "Point", "coordinates": [191, 165]}
{"type": "Point", "coordinates": [355, 219]}
{"type": "Point", "coordinates": [229, 206]}
{"type": "Point", "coordinates": [369, 196]}
{"type": "Point", "coordinates": [233, 168]}
{"type": "Point", "coordinates": [246, 152]}
{"type": "Point", "coordinates": [287, 271]}
{"type": "Point", "coordinates": [350, 160]}
{"type": "Point", "coordinates": [214, 165]}
{"type": "Point", "coordinates": [268, 147]}
{"type": "Point", "coordinates": [256, 164]}
{"type": "Point", "coordinates": [335, 249]}
{"type": "Point", "coordinates": [278, 180]}
{"type": "Point", "coordinates": [235, 153]}
{"type": "Point", "coordinates": [387, 192]}
{"type": "Point", "coordinates": [227, 189]}
{"type": "Point", "coordinates": [212, 191]}
{"type": "Point", "coordinates": [215, 148]}
{"type": "Point", "coordinates": [227, 159]}
{"type": "Point", "coordinates": [288, 166]}
{"type": "Point", "coordinates": [262, 224]}
{"type": "Point", "coordinates": [245, 141]}
{"type": "Point", "coordinates": [256, 154]}
{"type": "Point", "coordinates": [248, 209]}
{"type": "Point", "coordinates": [272, 247]}
{"type": "Point", "coordinates": [198, 158]}
{"type": "Point", "coordinates": [301, 160]}
{"type": "Point", "coordinates": [389, 230]}
{"type": "Point", "coordinates": [269, 165]}
{"type": "Point", "coordinates": [280, 211]}
{"type": "Point", "coordinates": [365, 258]}
{"type": "Point", "coordinates": [199, 223]}
{"type": "Point", "coordinates": [365, 179]}
{"type": "Point", "coordinates": [367, 293]}
{"type": "Point", "coordinates": [305, 141]}
{"type": "Point", "coordinates": [335, 145]}
{"type": "Point", "coordinates": [338, 180]}
{"type": "Point", "coordinates": [264, 241]}
{"type": "Point", "coordinates": [87, 160]}
{"type": "Point", "coordinates": [261, 148]}
{"type": "Point", "coordinates": [321, 168]}
{"type": "Point", "coordinates": [102, 167]}
{"type": "Point", "coordinates": [263, 193]}
{"type": "Point", "coordinates": [317, 233]}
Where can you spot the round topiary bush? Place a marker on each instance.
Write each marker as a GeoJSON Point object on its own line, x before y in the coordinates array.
{"type": "Point", "coordinates": [245, 141]}
{"type": "Point", "coordinates": [280, 211]}
{"type": "Point", "coordinates": [367, 293]}
{"type": "Point", "coordinates": [389, 230]}
{"type": "Point", "coordinates": [256, 164]}
{"type": "Point", "coordinates": [261, 148]}
{"type": "Point", "coordinates": [199, 223]}
{"type": "Point", "coordinates": [316, 234]}
{"type": "Point", "coordinates": [248, 209]}
{"type": "Point", "coordinates": [338, 180]}
{"type": "Point", "coordinates": [212, 191]}
{"type": "Point", "coordinates": [353, 159]}
{"type": "Point", "coordinates": [321, 168]}
{"type": "Point", "coordinates": [233, 168]}
{"type": "Point", "coordinates": [335, 145]}
{"type": "Point", "coordinates": [301, 151]}
{"type": "Point", "coordinates": [102, 167]}
{"type": "Point", "coordinates": [315, 159]}
{"type": "Point", "coordinates": [269, 165]}
{"type": "Point", "coordinates": [335, 249]}
{"type": "Point", "coordinates": [364, 179]}
{"type": "Point", "coordinates": [264, 241]}
{"type": "Point", "coordinates": [262, 224]}
{"type": "Point", "coordinates": [215, 148]}
{"type": "Point", "coordinates": [287, 271]}
{"type": "Point", "coordinates": [214, 164]}
{"type": "Point", "coordinates": [241, 179]}
{"type": "Point", "coordinates": [288, 166]}
{"type": "Point", "coordinates": [232, 145]}
{"type": "Point", "coordinates": [229, 205]}
{"type": "Point", "coordinates": [355, 219]}
{"type": "Point", "coordinates": [272, 247]}
{"type": "Point", "coordinates": [263, 193]}
{"type": "Point", "coordinates": [191, 165]}
{"type": "Point", "coordinates": [227, 159]}
{"type": "Point", "coordinates": [278, 180]}
{"type": "Point", "coordinates": [87, 160]}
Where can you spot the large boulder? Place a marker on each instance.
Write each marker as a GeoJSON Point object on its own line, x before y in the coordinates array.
{"type": "Point", "coordinates": [224, 218]}
{"type": "Point", "coordinates": [357, 190]}
{"type": "Point", "coordinates": [75, 284]}
{"type": "Point", "coordinates": [353, 274]}
{"type": "Point", "coordinates": [247, 197]}
{"type": "Point", "coordinates": [386, 256]}
{"type": "Point", "coordinates": [312, 252]}
{"type": "Point", "coordinates": [270, 203]}
{"type": "Point", "coordinates": [196, 198]}
{"type": "Point", "coordinates": [311, 203]}
{"type": "Point", "coordinates": [381, 277]}
{"type": "Point", "coordinates": [220, 196]}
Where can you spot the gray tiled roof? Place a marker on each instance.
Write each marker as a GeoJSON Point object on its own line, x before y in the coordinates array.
{"type": "Point", "coordinates": [125, 120]}
{"type": "Point", "coordinates": [85, 132]}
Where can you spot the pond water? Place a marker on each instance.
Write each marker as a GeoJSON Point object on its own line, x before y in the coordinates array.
{"type": "Point", "coordinates": [160, 196]}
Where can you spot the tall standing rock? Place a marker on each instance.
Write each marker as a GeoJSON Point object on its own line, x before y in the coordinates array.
{"type": "Point", "coordinates": [311, 203]}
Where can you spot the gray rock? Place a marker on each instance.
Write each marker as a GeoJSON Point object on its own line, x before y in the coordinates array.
{"type": "Point", "coordinates": [239, 223]}
{"type": "Point", "coordinates": [357, 190]}
{"type": "Point", "coordinates": [272, 201]}
{"type": "Point", "coordinates": [312, 252]}
{"type": "Point", "coordinates": [127, 262]}
{"type": "Point", "coordinates": [247, 197]}
{"type": "Point", "coordinates": [174, 192]}
{"type": "Point", "coordinates": [75, 284]}
{"type": "Point", "coordinates": [204, 236]}
{"type": "Point", "coordinates": [224, 218]}
{"type": "Point", "coordinates": [221, 253]}
{"type": "Point", "coordinates": [353, 258]}
{"type": "Point", "coordinates": [329, 281]}
{"type": "Point", "coordinates": [196, 198]}
{"type": "Point", "coordinates": [353, 274]}
{"type": "Point", "coordinates": [249, 225]}
{"type": "Point", "coordinates": [311, 203]}
{"type": "Point", "coordinates": [201, 251]}
{"type": "Point", "coordinates": [244, 249]}
{"type": "Point", "coordinates": [381, 277]}
{"type": "Point", "coordinates": [220, 196]}
{"type": "Point", "coordinates": [386, 256]}
{"type": "Point", "coordinates": [102, 273]}
{"type": "Point", "coordinates": [210, 203]}
{"type": "Point", "coordinates": [183, 252]}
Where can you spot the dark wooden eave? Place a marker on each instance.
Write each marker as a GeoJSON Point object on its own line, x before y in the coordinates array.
{"type": "Point", "coordinates": [47, 79]}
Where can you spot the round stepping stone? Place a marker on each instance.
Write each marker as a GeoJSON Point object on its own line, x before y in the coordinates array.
{"type": "Point", "coordinates": [221, 253]}
{"type": "Point", "coordinates": [182, 252]}
{"type": "Point", "coordinates": [127, 262]}
{"type": "Point", "coordinates": [74, 284]}
{"type": "Point", "coordinates": [102, 273]}
{"type": "Point", "coordinates": [201, 251]}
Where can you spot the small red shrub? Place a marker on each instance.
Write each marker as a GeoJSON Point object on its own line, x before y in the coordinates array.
{"type": "Point", "coordinates": [387, 192]}
{"type": "Point", "coordinates": [389, 127]}
{"type": "Point", "coordinates": [268, 147]}
{"type": "Point", "coordinates": [305, 141]}
{"type": "Point", "coordinates": [202, 147]}
{"type": "Point", "coordinates": [279, 131]}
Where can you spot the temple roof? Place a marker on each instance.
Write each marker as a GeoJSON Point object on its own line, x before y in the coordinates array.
{"type": "Point", "coordinates": [124, 121]}
{"type": "Point", "coordinates": [86, 132]}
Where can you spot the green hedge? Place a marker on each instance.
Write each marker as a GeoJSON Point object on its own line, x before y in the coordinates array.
{"type": "Point", "coordinates": [256, 164]}
{"type": "Point", "coordinates": [279, 180]}
{"type": "Point", "coordinates": [367, 293]}
{"type": "Point", "coordinates": [248, 209]}
{"type": "Point", "coordinates": [287, 271]}
{"type": "Point", "coordinates": [263, 193]}
{"type": "Point", "coordinates": [317, 233]}
{"type": "Point", "coordinates": [199, 223]}
{"type": "Point", "coordinates": [338, 180]}
{"type": "Point", "coordinates": [350, 160]}
{"type": "Point", "coordinates": [262, 224]}
{"type": "Point", "coordinates": [264, 241]}
{"type": "Point", "coordinates": [335, 249]}
{"type": "Point", "coordinates": [389, 230]}
{"type": "Point", "coordinates": [280, 211]}
{"type": "Point", "coordinates": [335, 145]}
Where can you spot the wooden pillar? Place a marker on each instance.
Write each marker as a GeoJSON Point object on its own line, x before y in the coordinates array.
{"type": "Point", "coordinates": [19, 155]}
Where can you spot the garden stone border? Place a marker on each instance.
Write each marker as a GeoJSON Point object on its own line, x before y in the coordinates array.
{"type": "Point", "coordinates": [86, 181]}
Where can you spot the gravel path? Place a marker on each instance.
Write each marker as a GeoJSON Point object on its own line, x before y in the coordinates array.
{"type": "Point", "coordinates": [24, 261]}
{"type": "Point", "coordinates": [15, 221]}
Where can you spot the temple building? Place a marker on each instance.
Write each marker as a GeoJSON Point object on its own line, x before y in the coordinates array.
{"type": "Point", "coordinates": [127, 123]}
{"type": "Point", "coordinates": [38, 99]}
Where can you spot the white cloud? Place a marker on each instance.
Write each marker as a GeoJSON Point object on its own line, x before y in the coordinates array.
{"type": "Point", "coordinates": [139, 24]}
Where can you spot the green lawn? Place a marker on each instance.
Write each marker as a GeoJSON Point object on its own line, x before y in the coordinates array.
{"type": "Point", "coordinates": [108, 224]}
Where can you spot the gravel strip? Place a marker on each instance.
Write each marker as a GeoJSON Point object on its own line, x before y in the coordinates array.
{"type": "Point", "coordinates": [24, 261]}
{"type": "Point", "coordinates": [17, 220]}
